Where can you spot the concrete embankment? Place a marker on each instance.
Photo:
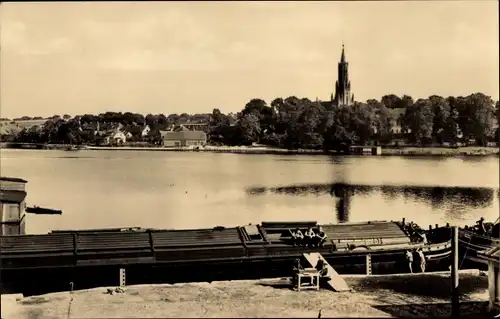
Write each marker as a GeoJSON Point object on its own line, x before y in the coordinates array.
{"type": "Point", "coordinates": [406, 151]}
{"type": "Point", "coordinates": [418, 295]}
{"type": "Point", "coordinates": [386, 151]}
{"type": "Point", "coordinates": [211, 149]}
{"type": "Point", "coordinates": [441, 151]}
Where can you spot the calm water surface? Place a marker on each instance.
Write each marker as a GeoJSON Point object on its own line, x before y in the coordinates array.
{"type": "Point", "coordinates": [98, 189]}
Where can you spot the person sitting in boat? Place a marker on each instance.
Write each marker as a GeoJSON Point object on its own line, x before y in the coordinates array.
{"type": "Point", "coordinates": [423, 237]}
{"type": "Point", "coordinates": [297, 237]}
{"type": "Point", "coordinates": [322, 268]}
{"type": "Point", "coordinates": [309, 236]}
{"type": "Point", "coordinates": [321, 237]}
{"type": "Point", "coordinates": [412, 228]}
{"type": "Point", "coordinates": [480, 226]}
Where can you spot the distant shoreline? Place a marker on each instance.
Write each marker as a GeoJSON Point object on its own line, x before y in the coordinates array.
{"type": "Point", "coordinates": [386, 151]}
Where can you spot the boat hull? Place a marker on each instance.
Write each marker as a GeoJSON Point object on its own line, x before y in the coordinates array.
{"type": "Point", "coordinates": [44, 263]}
{"type": "Point", "coordinates": [146, 269]}
{"type": "Point", "coordinates": [470, 243]}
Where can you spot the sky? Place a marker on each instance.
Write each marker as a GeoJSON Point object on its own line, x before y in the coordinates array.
{"type": "Point", "coordinates": [175, 57]}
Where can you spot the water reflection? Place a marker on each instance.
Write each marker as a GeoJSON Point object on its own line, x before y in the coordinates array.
{"type": "Point", "coordinates": [452, 200]}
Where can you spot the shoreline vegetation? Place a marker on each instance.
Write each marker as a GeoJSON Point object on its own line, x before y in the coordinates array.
{"type": "Point", "coordinates": [404, 295]}
{"type": "Point", "coordinates": [291, 123]}
{"type": "Point", "coordinates": [386, 151]}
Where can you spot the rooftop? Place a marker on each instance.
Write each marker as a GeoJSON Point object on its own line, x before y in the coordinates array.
{"type": "Point", "coordinates": [12, 179]}
{"type": "Point", "coordinates": [184, 135]}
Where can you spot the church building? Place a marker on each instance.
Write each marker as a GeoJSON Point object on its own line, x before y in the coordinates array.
{"type": "Point", "coordinates": [343, 95]}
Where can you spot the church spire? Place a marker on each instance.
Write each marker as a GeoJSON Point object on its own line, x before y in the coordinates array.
{"type": "Point", "coordinates": [342, 58]}
{"type": "Point", "coordinates": [343, 85]}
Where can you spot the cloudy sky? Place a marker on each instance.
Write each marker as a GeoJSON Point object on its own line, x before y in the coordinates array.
{"type": "Point", "coordinates": [174, 57]}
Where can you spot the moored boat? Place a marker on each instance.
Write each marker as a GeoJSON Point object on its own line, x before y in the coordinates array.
{"type": "Point", "coordinates": [93, 257]}
{"type": "Point", "coordinates": [477, 238]}
{"type": "Point", "coordinates": [43, 211]}
{"type": "Point", "coordinates": [246, 252]}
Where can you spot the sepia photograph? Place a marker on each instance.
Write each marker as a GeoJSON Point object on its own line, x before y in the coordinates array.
{"type": "Point", "coordinates": [248, 159]}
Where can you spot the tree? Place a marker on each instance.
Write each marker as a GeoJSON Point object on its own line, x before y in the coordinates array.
{"type": "Point", "coordinates": [297, 122]}
{"type": "Point", "coordinates": [452, 132]}
{"type": "Point", "coordinates": [405, 102]}
{"type": "Point", "coordinates": [217, 132]}
{"type": "Point", "coordinates": [361, 122]}
{"type": "Point", "coordinates": [440, 125]}
{"type": "Point", "coordinates": [151, 120]}
{"type": "Point", "coordinates": [250, 128]}
{"type": "Point", "coordinates": [497, 112]}
{"type": "Point", "coordinates": [418, 119]}
{"type": "Point", "coordinates": [266, 115]}
{"type": "Point", "coordinates": [391, 101]}
{"type": "Point", "coordinates": [382, 120]}
{"type": "Point", "coordinates": [310, 127]}
{"type": "Point", "coordinates": [338, 136]}
{"type": "Point", "coordinates": [130, 118]}
{"type": "Point", "coordinates": [479, 108]}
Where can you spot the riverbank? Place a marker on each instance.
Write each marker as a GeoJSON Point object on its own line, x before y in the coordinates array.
{"type": "Point", "coordinates": [403, 151]}
{"type": "Point", "coordinates": [441, 151]}
{"type": "Point", "coordinates": [386, 151]}
{"type": "Point", "coordinates": [214, 149]}
{"type": "Point", "coordinates": [418, 295]}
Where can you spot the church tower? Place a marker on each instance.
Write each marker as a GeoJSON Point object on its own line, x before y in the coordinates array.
{"type": "Point", "coordinates": [343, 85]}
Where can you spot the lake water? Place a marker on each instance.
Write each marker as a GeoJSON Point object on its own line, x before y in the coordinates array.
{"type": "Point", "coordinates": [97, 189]}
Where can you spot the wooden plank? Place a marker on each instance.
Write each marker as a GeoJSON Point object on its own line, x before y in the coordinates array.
{"type": "Point", "coordinates": [224, 237]}
{"type": "Point", "coordinates": [375, 230]}
{"type": "Point", "coordinates": [336, 282]}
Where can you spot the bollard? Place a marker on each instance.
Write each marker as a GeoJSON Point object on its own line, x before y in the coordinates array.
{"type": "Point", "coordinates": [430, 227]}
{"type": "Point", "coordinates": [437, 226]}
{"type": "Point", "coordinates": [122, 277]}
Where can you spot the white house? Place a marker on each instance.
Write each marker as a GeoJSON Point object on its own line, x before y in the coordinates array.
{"type": "Point", "coordinates": [145, 131]}
{"type": "Point", "coordinates": [115, 138]}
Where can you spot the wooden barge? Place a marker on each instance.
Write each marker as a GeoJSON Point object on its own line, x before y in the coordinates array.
{"type": "Point", "coordinates": [33, 264]}
{"type": "Point", "coordinates": [93, 258]}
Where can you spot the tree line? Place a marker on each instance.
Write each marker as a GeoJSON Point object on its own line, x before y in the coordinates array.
{"type": "Point", "coordinates": [301, 123]}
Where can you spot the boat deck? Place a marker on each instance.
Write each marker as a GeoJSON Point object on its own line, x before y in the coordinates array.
{"type": "Point", "coordinates": [130, 246]}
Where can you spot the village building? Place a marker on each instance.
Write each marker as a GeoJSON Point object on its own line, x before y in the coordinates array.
{"type": "Point", "coordinates": [183, 137]}
{"type": "Point", "coordinates": [115, 138]}
{"type": "Point", "coordinates": [12, 206]}
{"type": "Point", "coordinates": [145, 131]}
